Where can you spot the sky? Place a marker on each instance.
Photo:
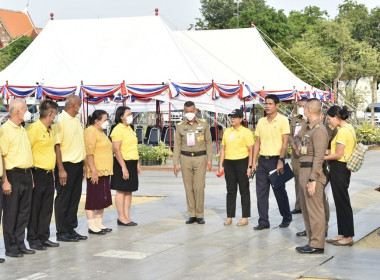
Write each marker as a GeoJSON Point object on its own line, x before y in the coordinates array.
{"type": "Point", "coordinates": [179, 14]}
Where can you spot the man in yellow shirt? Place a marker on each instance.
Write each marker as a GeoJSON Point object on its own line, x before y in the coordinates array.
{"type": "Point", "coordinates": [272, 136]}
{"type": "Point", "coordinates": [70, 170]}
{"type": "Point", "coordinates": [42, 141]}
{"type": "Point", "coordinates": [17, 184]}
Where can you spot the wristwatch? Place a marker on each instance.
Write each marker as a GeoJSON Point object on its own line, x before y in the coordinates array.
{"type": "Point", "coordinates": [250, 167]}
{"type": "Point", "coordinates": [311, 180]}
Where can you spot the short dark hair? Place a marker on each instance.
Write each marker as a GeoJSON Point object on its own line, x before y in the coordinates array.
{"type": "Point", "coordinates": [274, 97]}
{"type": "Point", "coordinates": [119, 113]}
{"type": "Point", "coordinates": [46, 107]}
{"type": "Point", "coordinates": [189, 104]}
{"type": "Point", "coordinates": [336, 111]}
{"type": "Point", "coordinates": [96, 115]}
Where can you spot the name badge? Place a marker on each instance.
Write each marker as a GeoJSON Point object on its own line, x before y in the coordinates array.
{"type": "Point", "coordinates": [304, 150]}
{"type": "Point", "coordinates": [190, 139]}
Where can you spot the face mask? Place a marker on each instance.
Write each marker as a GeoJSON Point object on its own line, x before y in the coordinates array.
{"type": "Point", "coordinates": [105, 125]}
{"type": "Point", "coordinates": [27, 116]}
{"type": "Point", "coordinates": [129, 119]}
{"type": "Point", "coordinates": [189, 116]}
{"type": "Point", "coordinates": [56, 119]}
{"type": "Point", "coordinates": [301, 111]}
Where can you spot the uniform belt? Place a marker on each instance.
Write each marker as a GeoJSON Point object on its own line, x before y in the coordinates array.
{"type": "Point", "coordinates": [42, 170]}
{"type": "Point", "coordinates": [193, 154]}
{"type": "Point", "coordinates": [269, 157]}
{"type": "Point", "coordinates": [306, 164]}
{"type": "Point", "coordinates": [20, 170]}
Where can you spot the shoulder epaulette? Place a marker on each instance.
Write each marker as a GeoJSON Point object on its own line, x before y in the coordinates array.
{"type": "Point", "coordinates": [202, 120]}
{"type": "Point", "coordinates": [180, 123]}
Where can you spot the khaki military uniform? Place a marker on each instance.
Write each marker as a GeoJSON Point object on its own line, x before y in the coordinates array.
{"type": "Point", "coordinates": [314, 142]}
{"type": "Point", "coordinates": [295, 127]}
{"type": "Point", "coordinates": [192, 149]}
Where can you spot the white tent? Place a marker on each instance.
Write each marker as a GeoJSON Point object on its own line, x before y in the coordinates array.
{"type": "Point", "coordinates": [143, 50]}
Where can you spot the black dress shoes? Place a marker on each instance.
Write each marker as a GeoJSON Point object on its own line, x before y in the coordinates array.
{"type": "Point", "coordinates": [78, 236]}
{"type": "Point", "coordinates": [260, 227]}
{"type": "Point", "coordinates": [27, 251]}
{"type": "Point", "coordinates": [38, 246]}
{"type": "Point", "coordinates": [49, 243]}
{"type": "Point", "coordinates": [67, 238]}
{"type": "Point", "coordinates": [130, 224]}
{"type": "Point", "coordinates": [2, 260]}
{"type": "Point", "coordinates": [101, 232]}
{"type": "Point", "coordinates": [107, 229]}
{"type": "Point", "coordinates": [301, 233]}
{"type": "Point", "coordinates": [296, 211]}
{"type": "Point", "coordinates": [201, 221]}
{"type": "Point", "coordinates": [307, 249]}
{"type": "Point", "coordinates": [284, 224]}
{"type": "Point", "coordinates": [14, 254]}
{"type": "Point", "coordinates": [191, 220]}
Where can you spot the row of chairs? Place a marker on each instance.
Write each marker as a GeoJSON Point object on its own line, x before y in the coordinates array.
{"type": "Point", "coordinates": [153, 135]}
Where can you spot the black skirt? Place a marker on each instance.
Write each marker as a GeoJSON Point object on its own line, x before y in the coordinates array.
{"type": "Point", "coordinates": [117, 181]}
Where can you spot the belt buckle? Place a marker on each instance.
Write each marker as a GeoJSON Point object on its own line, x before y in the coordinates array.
{"type": "Point", "coordinates": [192, 154]}
{"type": "Point", "coordinates": [267, 157]}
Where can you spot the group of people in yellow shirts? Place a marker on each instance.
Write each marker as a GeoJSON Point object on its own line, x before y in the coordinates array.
{"type": "Point", "coordinates": [56, 154]}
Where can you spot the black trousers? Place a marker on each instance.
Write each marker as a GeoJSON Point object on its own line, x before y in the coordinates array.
{"type": "Point", "coordinates": [17, 210]}
{"type": "Point", "coordinates": [340, 181]}
{"type": "Point", "coordinates": [68, 197]}
{"type": "Point", "coordinates": [42, 207]}
{"type": "Point", "coordinates": [236, 174]}
{"type": "Point", "coordinates": [262, 192]}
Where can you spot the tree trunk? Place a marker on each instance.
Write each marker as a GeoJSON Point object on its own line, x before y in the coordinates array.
{"type": "Point", "coordinates": [374, 97]}
{"type": "Point", "coordinates": [355, 103]}
{"type": "Point", "coordinates": [336, 80]}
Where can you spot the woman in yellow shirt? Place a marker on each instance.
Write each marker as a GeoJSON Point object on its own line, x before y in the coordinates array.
{"type": "Point", "coordinates": [99, 161]}
{"type": "Point", "coordinates": [342, 147]}
{"type": "Point", "coordinates": [236, 161]}
{"type": "Point", "coordinates": [126, 164]}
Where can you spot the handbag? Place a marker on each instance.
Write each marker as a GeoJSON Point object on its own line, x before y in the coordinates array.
{"type": "Point", "coordinates": [356, 160]}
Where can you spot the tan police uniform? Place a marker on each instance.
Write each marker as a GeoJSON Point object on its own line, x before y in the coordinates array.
{"type": "Point", "coordinates": [193, 148]}
{"type": "Point", "coordinates": [314, 145]}
{"type": "Point", "coordinates": [295, 126]}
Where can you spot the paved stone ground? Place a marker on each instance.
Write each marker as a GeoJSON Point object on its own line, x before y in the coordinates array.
{"type": "Point", "coordinates": [163, 247]}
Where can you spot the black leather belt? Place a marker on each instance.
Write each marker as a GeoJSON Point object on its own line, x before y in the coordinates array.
{"type": "Point", "coordinates": [269, 157]}
{"type": "Point", "coordinates": [20, 170]}
{"type": "Point", "coordinates": [193, 154]}
{"type": "Point", "coordinates": [306, 164]}
{"type": "Point", "coordinates": [42, 170]}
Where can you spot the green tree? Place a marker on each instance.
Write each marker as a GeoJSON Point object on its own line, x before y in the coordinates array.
{"type": "Point", "coordinates": [216, 14]}
{"type": "Point", "coordinates": [15, 47]}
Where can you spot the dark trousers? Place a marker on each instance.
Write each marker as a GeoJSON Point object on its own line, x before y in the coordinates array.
{"type": "Point", "coordinates": [262, 192]}
{"type": "Point", "coordinates": [1, 200]}
{"type": "Point", "coordinates": [17, 210]}
{"type": "Point", "coordinates": [236, 173]}
{"type": "Point", "coordinates": [68, 197]}
{"type": "Point", "coordinates": [340, 181]}
{"type": "Point", "coordinates": [42, 207]}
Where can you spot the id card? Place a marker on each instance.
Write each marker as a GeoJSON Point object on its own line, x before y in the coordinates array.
{"type": "Point", "coordinates": [190, 139]}
{"type": "Point", "coordinates": [304, 150]}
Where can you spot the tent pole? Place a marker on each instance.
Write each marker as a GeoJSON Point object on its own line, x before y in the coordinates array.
{"type": "Point", "coordinates": [216, 133]}
{"type": "Point", "coordinates": [245, 114]}
{"type": "Point", "coordinates": [157, 113]}
{"type": "Point", "coordinates": [170, 126]}
{"type": "Point", "coordinates": [6, 95]}
{"type": "Point", "coordinates": [253, 116]}
{"type": "Point", "coordinates": [83, 99]}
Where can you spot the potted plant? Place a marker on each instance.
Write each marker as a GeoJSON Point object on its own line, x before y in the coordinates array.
{"type": "Point", "coordinates": [162, 153]}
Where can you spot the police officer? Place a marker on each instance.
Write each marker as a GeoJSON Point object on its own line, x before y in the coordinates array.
{"type": "Point", "coordinates": [312, 179]}
{"type": "Point", "coordinates": [295, 126]}
{"type": "Point", "coordinates": [193, 149]}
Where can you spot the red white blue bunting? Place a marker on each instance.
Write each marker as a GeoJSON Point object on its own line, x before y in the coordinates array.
{"type": "Point", "coordinates": [146, 91]}
{"type": "Point", "coordinates": [20, 91]}
{"type": "Point", "coordinates": [55, 92]}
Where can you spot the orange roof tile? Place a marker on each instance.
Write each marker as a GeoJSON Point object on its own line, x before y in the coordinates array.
{"type": "Point", "coordinates": [17, 23]}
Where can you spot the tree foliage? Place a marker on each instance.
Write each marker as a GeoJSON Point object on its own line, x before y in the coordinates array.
{"type": "Point", "coordinates": [15, 47]}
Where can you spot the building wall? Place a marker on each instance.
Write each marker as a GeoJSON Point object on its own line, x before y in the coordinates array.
{"type": "Point", "coordinates": [4, 35]}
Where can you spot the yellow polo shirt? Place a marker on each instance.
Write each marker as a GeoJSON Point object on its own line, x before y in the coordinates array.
{"type": "Point", "coordinates": [42, 142]}
{"type": "Point", "coordinates": [15, 146]}
{"type": "Point", "coordinates": [70, 136]}
{"type": "Point", "coordinates": [236, 142]}
{"type": "Point", "coordinates": [270, 134]}
{"type": "Point", "coordinates": [1, 164]}
{"type": "Point", "coordinates": [98, 145]}
{"type": "Point", "coordinates": [129, 141]}
{"type": "Point", "coordinates": [346, 137]}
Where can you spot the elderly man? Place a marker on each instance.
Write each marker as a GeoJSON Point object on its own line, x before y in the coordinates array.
{"type": "Point", "coordinates": [193, 149]}
{"type": "Point", "coordinates": [42, 141]}
{"type": "Point", "coordinates": [18, 183]}
{"type": "Point", "coordinates": [70, 170]}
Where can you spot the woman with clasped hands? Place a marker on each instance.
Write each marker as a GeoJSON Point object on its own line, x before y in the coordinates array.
{"type": "Point", "coordinates": [126, 164]}
{"type": "Point", "coordinates": [236, 162]}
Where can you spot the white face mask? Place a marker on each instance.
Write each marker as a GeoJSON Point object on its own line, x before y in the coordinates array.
{"type": "Point", "coordinates": [129, 119]}
{"type": "Point", "coordinates": [27, 116]}
{"type": "Point", "coordinates": [301, 111]}
{"type": "Point", "coordinates": [56, 119]}
{"type": "Point", "coordinates": [105, 125]}
{"type": "Point", "coordinates": [189, 116]}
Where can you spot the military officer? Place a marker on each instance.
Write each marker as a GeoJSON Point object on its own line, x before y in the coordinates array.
{"type": "Point", "coordinates": [312, 179]}
{"type": "Point", "coordinates": [295, 126]}
{"type": "Point", "coordinates": [193, 150]}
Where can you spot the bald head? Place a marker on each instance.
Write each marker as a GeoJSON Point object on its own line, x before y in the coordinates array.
{"type": "Point", "coordinates": [72, 99]}
{"type": "Point", "coordinates": [17, 105]}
